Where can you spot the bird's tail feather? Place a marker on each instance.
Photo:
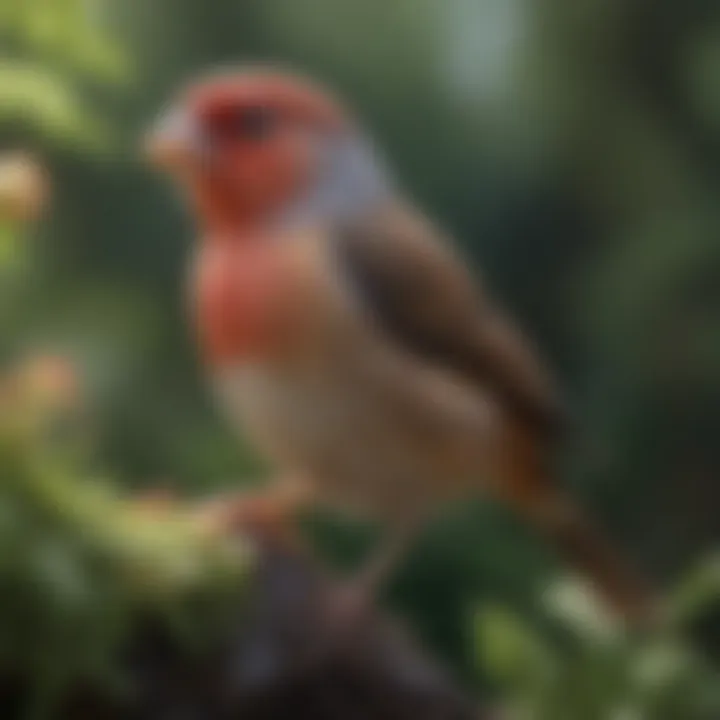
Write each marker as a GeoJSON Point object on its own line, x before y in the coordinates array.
{"type": "Point", "coordinates": [586, 549]}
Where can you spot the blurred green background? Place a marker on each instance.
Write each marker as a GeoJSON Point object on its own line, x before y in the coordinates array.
{"type": "Point", "coordinates": [572, 146]}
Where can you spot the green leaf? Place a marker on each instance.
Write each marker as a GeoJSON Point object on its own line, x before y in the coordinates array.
{"type": "Point", "coordinates": [696, 593]}
{"type": "Point", "coordinates": [509, 650]}
{"type": "Point", "coordinates": [573, 603]}
{"type": "Point", "coordinates": [48, 101]}
{"type": "Point", "coordinates": [65, 35]}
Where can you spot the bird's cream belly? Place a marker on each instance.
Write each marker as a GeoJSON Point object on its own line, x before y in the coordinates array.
{"type": "Point", "coordinates": [368, 444]}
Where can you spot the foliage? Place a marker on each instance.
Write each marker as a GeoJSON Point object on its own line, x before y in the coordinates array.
{"type": "Point", "coordinates": [80, 564]}
{"type": "Point", "coordinates": [57, 54]}
{"type": "Point", "coordinates": [586, 665]}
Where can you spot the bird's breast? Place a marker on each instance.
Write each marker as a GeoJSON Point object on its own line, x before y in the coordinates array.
{"type": "Point", "coordinates": [240, 302]}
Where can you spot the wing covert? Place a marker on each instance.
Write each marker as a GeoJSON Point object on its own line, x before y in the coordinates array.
{"type": "Point", "coordinates": [422, 295]}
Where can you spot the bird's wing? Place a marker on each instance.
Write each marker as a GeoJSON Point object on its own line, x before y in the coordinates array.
{"type": "Point", "coordinates": [420, 293]}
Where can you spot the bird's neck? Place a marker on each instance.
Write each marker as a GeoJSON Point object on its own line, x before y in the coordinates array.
{"type": "Point", "coordinates": [350, 183]}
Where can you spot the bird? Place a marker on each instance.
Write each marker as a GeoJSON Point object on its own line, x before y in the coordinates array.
{"type": "Point", "coordinates": [342, 331]}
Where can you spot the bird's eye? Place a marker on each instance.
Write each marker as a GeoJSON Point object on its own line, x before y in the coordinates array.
{"type": "Point", "coordinates": [242, 122]}
{"type": "Point", "coordinates": [254, 122]}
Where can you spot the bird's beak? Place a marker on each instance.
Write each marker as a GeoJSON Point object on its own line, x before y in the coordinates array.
{"type": "Point", "coordinates": [174, 142]}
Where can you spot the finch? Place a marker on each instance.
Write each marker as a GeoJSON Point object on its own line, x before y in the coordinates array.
{"type": "Point", "coordinates": [343, 333]}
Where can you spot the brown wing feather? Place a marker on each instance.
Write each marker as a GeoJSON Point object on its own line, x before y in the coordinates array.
{"type": "Point", "coordinates": [422, 295]}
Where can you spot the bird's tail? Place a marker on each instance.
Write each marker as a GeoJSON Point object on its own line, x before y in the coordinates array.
{"type": "Point", "coordinates": [586, 549]}
{"type": "Point", "coordinates": [528, 487]}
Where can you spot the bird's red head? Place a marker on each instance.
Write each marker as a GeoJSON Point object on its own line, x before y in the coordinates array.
{"type": "Point", "coordinates": [245, 144]}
